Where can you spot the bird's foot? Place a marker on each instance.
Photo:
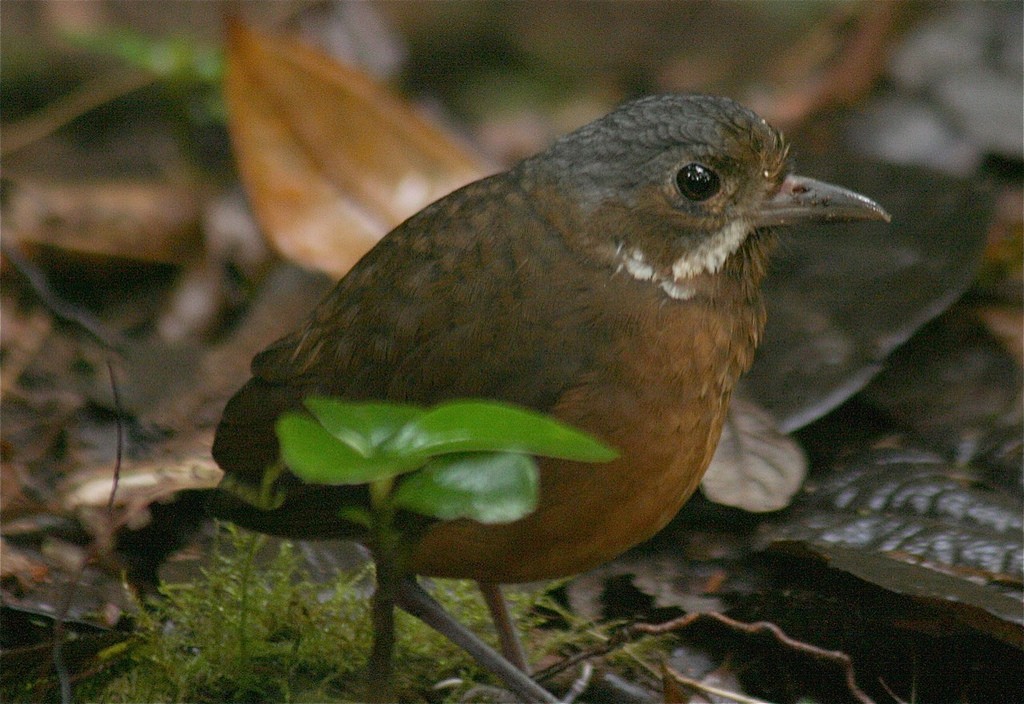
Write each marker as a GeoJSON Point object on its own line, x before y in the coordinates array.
{"type": "Point", "coordinates": [411, 598]}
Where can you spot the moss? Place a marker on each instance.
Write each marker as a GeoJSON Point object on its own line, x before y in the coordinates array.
{"type": "Point", "coordinates": [242, 633]}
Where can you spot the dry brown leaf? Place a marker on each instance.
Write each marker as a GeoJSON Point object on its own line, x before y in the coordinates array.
{"type": "Point", "coordinates": [20, 566]}
{"type": "Point", "coordinates": [834, 65]}
{"type": "Point", "coordinates": [331, 159]}
{"type": "Point", "coordinates": [142, 220]}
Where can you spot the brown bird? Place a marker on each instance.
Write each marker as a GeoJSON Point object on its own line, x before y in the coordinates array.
{"type": "Point", "coordinates": [612, 281]}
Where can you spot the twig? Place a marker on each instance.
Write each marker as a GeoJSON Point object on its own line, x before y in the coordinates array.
{"type": "Point", "coordinates": [88, 96]}
{"type": "Point", "coordinates": [895, 697]}
{"type": "Point", "coordinates": [609, 645]}
{"type": "Point", "coordinates": [119, 424]}
{"type": "Point", "coordinates": [58, 306]}
{"type": "Point", "coordinates": [580, 684]}
{"type": "Point", "coordinates": [707, 688]}
{"type": "Point", "coordinates": [834, 656]}
{"type": "Point", "coordinates": [60, 619]}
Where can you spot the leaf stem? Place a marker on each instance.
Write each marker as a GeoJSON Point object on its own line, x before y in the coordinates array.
{"type": "Point", "coordinates": [383, 615]}
{"type": "Point", "coordinates": [88, 96]}
{"type": "Point", "coordinates": [388, 547]}
{"type": "Point", "coordinates": [243, 607]}
{"type": "Point", "coordinates": [380, 498]}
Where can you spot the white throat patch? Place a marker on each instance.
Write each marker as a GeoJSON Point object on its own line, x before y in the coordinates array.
{"type": "Point", "coordinates": [707, 258]}
{"type": "Point", "coordinates": [710, 255]}
{"type": "Point", "coordinates": [636, 265]}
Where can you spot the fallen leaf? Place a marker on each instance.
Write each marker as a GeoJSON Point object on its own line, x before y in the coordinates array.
{"type": "Point", "coordinates": [755, 467]}
{"type": "Point", "coordinates": [684, 568]}
{"type": "Point", "coordinates": [835, 63]}
{"type": "Point", "coordinates": [331, 159]}
{"type": "Point", "coordinates": [89, 595]}
{"type": "Point", "coordinates": [150, 221]}
{"type": "Point", "coordinates": [953, 385]}
{"type": "Point", "coordinates": [915, 525]}
{"type": "Point", "coordinates": [181, 465]}
{"type": "Point", "coordinates": [26, 569]}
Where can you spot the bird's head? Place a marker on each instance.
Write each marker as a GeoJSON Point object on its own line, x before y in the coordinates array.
{"type": "Point", "coordinates": [669, 187]}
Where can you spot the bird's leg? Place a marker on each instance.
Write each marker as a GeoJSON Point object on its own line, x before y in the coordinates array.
{"type": "Point", "coordinates": [411, 598]}
{"type": "Point", "coordinates": [511, 646]}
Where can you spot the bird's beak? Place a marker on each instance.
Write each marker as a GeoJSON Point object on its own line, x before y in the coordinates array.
{"type": "Point", "coordinates": [801, 199]}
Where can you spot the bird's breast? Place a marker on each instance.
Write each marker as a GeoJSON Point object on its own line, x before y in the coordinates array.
{"type": "Point", "coordinates": [658, 394]}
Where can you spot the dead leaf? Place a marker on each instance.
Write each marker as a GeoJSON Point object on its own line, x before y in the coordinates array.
{"type": "Point", "coordinates": [682, 569]}
{"type": "Point", "coordinates": [20, 566]}
{"type": "Point", "coordinates": [175, 467]}
{"type": "Point", "coordinates": [91, 594]}
{"type": "Point", "coordinates": [331, 159]}
{"type": "Point", "coordinates": [835, 63]}
{"type": "Point", "coordinates": [913, 524]}
{"type": "Point", "coordinates": [287, 294]}
{"type": "Point", "coordinates": [150, 221]}
{"type": "Point", "coordinates": [953, 384]}
{"type": "Point", "coordinates": [755, 467]}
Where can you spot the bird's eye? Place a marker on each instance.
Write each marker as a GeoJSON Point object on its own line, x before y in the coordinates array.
{"type": "Point", "coordinates": [697, 182]}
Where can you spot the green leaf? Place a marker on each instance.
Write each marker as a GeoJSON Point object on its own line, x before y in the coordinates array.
{"type": "Point", "coordinates": [486, 487]}
{"type": "Point", "coordinates": [361, 426]}
{"type": "Point", "coordinates": [174, 58]}
{"type": "Point", "coordinates": [480, 426]}
{"type": "Point", "coordinates": [314, 455]}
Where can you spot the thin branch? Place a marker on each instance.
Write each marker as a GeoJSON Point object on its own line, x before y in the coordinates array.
{"type": "Point", "coordinates": [119, 424]}
{"type": "Point", "coordinates": [707, 688]}
{"type": "Point", "coordinates": [895, 697]}
{"type": "Point", "coordinates": [616, 641]}
{"type": "Point", "coordinates": [88, 96]}
{"type": "Point", "coordinates": [62, 309]}
{"type": "Point", "coordinates": [60, 619]}
{"type": "Point", "coordinates": [580, 684]}
{"type": "Point", "coordinates": [834, 656]}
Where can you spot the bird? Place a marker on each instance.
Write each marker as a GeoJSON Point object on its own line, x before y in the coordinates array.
{"type": "Point", "coordinates": [612, 281]}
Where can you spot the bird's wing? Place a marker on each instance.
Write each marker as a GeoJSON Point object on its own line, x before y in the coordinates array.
{"type": "Point", "coordinates": [464, 300]}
